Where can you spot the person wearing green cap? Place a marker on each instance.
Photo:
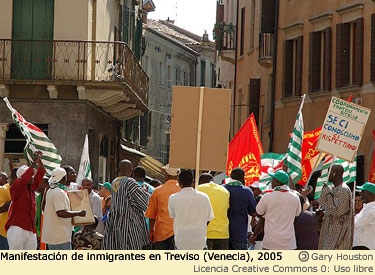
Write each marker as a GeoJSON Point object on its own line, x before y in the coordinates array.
{"type": "Point", "coordinates": [279, 209]}
{"type": "Point", "coordinates": [364, 221]}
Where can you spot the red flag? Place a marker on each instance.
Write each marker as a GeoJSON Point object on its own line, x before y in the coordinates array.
{"type": "Point", "coordinates": [245, 150]}
{"type": "Point", "coordinates": [350, 98]}
{"type": "Point", "coordinates": [309, 154]}
{"type": "Point", "coordinates": [371, 177]}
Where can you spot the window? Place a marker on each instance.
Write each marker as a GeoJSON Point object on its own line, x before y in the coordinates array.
{"type": "Point", "coordinates": [320, 60]}
{"type": "Point", "coordinates": [161, 74]}
{"type": "Point", "coordinates": [178, 76]}
{"type": "Point", "coordinates": [238, 106]}
{"type": "Point", "coordinates": [252, 25]}
{"type": "Point", "coordinates": [169, 72]}
{"type": "Point", "coordinates": [254, 98]}
{"type": "Point", "coordinates": [203, 73]}
{"type": "Point", "coordinates": [242, 30]}
{"type": "Point", "coordinates": [102, 169]}
{"type": "Point", "coordinates": [349, 53]}
{"type": "Point", "coordinates": [186, 79]}
{"type": "Point", "coordinates": [213, 75]}
{"type": "Point", "coordinates": [292, 72]}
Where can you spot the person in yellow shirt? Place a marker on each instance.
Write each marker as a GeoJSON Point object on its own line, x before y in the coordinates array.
{"type": "Point", "coordinates": [5, 200]}
{"type": "Point", "coordinates": [218, 228]}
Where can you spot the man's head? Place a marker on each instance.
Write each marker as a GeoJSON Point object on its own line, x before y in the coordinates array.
{"type": "Point", "coordinates": [13, 176]}
{"type": "Point", "coordinates": [336, 175]}
{"type": "Point", "coordinates": [255, 188]}
{"type": "Point", "coordinates": [139, 174]}
{"type": "Point", "coordinates": [205, 178]}
{"type": "Point", "coordinates": [71, 175]}
{"type": "Point", "coordinates": [302, 200]}
{"type": "Point", "coordinates": [125, 168]}
{"type": "Point", "coordinates": [185, 179]}
{"type": "Point", "coordinates": [299, 187]}
{"type": "Point", "coordinates": [171, 173]}
{"type": "Point", "coordinates": [87, 184]}
{"type": "Point", "coordinates": [279, 178]}
{"type": "Point", "coordinates": [367, 192]}
{"type": "Point", "coordinates": [3, 178]}
{"type": "Point", "coordinates": [238, 174]}
{"type": "Point", "coordinates": [105, 189]}
{"type": "Point", "coordinates": [58, 175]}
{"type": "Point", "coordinates": [358, 202]}
{"type": "Point", "coordinates": [43, 185]}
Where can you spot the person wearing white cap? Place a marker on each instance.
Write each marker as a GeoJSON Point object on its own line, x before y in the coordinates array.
{"type": "Point", "coordinates": [161, 225]}
{"type": "Point", "coordinates": [57, 224]}
{"type": "Point", "coordinates": [21, 232]}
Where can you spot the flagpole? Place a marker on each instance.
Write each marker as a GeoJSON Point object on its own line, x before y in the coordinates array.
{"type": "Point", "coordinates": [330, 169]}
{"type": "Point", "coordinates": [199, 136]}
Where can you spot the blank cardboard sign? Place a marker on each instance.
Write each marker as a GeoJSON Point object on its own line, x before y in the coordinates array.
{"type": "Point", "coordinates": [215, 128]}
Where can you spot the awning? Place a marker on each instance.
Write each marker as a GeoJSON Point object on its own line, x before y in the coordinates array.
{"type": "Point", "coordinates": [153, 168]}
{"type": "Point", "coordinates": [132, 151]}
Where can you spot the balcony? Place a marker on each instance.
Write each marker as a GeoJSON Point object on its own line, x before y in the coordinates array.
{"type": "Point", "coordinates": [266, 44]}
{"type": "Point", "coordinates": [107, 72]}
{"type": "Point", "coordinates": [225, 40]}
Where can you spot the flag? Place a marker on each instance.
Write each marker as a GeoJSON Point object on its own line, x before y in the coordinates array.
{"type": "Point", "coordinates": [84, 166]}
{"type": "Point", "coordinates": [245, 151]}
{"type": "Point", "coordinates": [350, 173]}
{"type": "Point", "coordinates": [309, 154]}
{"type": "Point", "coordinates": [270, 162]}
{"type": "Point", "coordinates": [294, 154]}
{"type": "Point", "coordinates": [36, 140]}
{"type": "Point", "coordinates": [371, 176]}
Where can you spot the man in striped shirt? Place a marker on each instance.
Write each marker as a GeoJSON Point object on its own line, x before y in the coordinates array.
{"type": "Point", "coordinates": [126, 226]}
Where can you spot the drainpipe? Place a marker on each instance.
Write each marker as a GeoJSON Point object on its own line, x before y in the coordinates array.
{"type": "Point", "coordinates": [273, 92]}
{"type": "Point", "coordinates": [235, 73]}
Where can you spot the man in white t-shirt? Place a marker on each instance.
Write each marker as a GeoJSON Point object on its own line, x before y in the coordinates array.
{"type": "Point", "coordinates": [279, 210]}
{"type": "Point", "coordinates": [191, 211]}
{"type": "Point", "coordinates": [95, 202]}
{"type": "Point", "coordinates": [57, 224]}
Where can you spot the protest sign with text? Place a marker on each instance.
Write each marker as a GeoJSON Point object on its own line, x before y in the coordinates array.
{"type": "Point", "coordinates": [342, 129]}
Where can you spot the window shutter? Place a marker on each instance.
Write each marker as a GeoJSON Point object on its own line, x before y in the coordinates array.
{"type": "Point", "coordinates": [358, 54]}
{"type": "Point", "coordinates": [125, 23]}
{"type": "Point", "coordinates": [138, 39]}
{"type": "Point", "coordinates": [268, 16]}
{"type": "Point", "coordinates": [299, 65]}
{"type": "Point", "coordinates": [373, 47]}
{"type": "Point", "coordinates": [338, 55]}
{"type": "Point", "coordinates": [327, 59]}
{"type": "Point", "coordinates": [254, 98]}
{"type": "Point", "coordinates": [288, 67]}
{"type": "Point", "coordinates": [342, 55]}
{"type": "Point", "coordinates": [314, 65]}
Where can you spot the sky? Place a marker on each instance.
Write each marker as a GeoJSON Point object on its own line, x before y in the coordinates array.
{"type": "Point", "coordinates": [195, 16]}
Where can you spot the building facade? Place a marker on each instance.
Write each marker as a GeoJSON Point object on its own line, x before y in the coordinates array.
{"type": "Point", "coordinates": [173, 56]}
{"type": "Point", "coordinates": [323, 49]}
{"type": "Point", "coordinates": [71, 68]}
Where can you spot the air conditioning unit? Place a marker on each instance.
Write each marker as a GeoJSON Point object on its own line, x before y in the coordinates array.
{"type": "Point", "coordinates": [357, 101]}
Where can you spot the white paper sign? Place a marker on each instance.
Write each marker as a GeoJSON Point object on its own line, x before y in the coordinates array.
{"type": "Point", "coordinates": [342, 129]}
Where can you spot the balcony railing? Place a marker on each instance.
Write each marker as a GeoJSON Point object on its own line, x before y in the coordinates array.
{"type": "Point", "coordinates": [224, 36]}
{"type": "Point", "coordinates": [91, 61]}
{"type": "Point", "coordinates": [266, 41]}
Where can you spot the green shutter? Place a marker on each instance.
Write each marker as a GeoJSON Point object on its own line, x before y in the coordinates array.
{"type": "Point", "coordinates": [138, 39]}
{"type": "Point", "coordinates": [125, 24]}
{"type": "Point", "coordinates": [32, 20]}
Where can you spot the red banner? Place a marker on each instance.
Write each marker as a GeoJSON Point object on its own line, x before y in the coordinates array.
{"type": "Point", "coordinates": [309, 154]}
{"type": "Point", "coordinates": [245, 151]}
{"type": "Point", "coordinates": [371, 177]}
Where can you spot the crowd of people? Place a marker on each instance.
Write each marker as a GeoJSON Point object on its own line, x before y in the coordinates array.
{"type": "Point", "coordinates": [131, 214]}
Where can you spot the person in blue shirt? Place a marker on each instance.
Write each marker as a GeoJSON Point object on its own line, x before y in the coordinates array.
{"type": "Point", "coordinates": [241, 204]}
